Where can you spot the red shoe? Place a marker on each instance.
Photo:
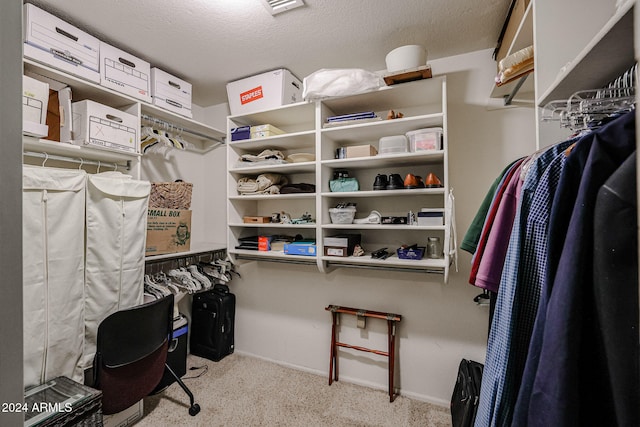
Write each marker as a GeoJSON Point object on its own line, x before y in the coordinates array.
{"type": "Point", "coordinates": [432, 181]}
{"type": "Point", "coordinates": [410, 181]}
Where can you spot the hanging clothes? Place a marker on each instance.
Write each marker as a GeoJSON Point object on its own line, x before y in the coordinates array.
{"type": "Point", "coordinates": [471, 238]}
{"type": "Point", "coordinates": [517, 298]}
{"type": "Point", "coordinates": [116, 221]}
{"type": "Point", "coordinates": [615, 274]}
{"type": "Point", "coordinates": [564, 333]}
{"type": "Point", "coordinates": [491, 218]}
{"type": "Point", "coordinates": [53, 272]}
{"type": "Point", "coordinates": [568, 349]}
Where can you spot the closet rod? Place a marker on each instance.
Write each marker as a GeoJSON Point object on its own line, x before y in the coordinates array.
{"type": "Point", "coordinates": [169, 125]}
{"type": "Point", "coordinates": [284, 261]}
{"type": "Point", "coordinates": [78, 160]}
{"type": "Point", "coordinates": [384, 267]}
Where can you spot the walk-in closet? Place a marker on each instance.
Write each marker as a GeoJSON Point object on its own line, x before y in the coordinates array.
{"type": "Point", "coordinates": [306, 212]}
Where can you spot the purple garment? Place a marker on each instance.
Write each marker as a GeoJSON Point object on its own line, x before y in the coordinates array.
{"type": "Point", "coordinates": [492, 262]}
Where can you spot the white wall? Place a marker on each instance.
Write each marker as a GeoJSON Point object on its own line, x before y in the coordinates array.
{"type": "Point", "coordinates": [280, 307]}
{"type": "Point", "coordinates": [206, 173]}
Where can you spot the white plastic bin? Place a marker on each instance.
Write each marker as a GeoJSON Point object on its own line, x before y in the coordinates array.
{"type": "Point", "coordinates": [425, 139]}
{"type": "Point", "coordinates": [342, 215]}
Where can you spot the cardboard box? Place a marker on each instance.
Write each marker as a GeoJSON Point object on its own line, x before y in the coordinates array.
{"type": "Point", "coordinates": [168, 231]}
{"type": "Point", "coordinates": [240, 133]}
{"type": "Point", "coordinates": [170, 92]}
{"type": "Point", "coordinates": [264, 91]}
{"type": "Point", "coordinates": [263, 131]}
{"type": "Point", "coordinates": [125, 418]}
{"type": "Point", "coordinates": [35, 99]}
{"type": "Point", "coordinates": [124, 72]}
{"type": "Point", "coordinates": [341, 245]}
{"type": "Point", "coordinates": [50, 40]}
{"type": "Point", "coordinates": [301, 247]}
{"type": "Point", "coordinates": [59, 117]}
{"type": "Point", "coordinates": [264, 243]}
{"type": "Point", "coordinates": [98, 125]}
{"type": "Point", "coordinates": [512, 27]}
{"type": "Point", "coordinates": [256, 219]}
{"type": "Point", "coordinates": [361, 151]}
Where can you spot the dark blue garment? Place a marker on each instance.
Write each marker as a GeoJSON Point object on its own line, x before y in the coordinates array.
{"type": "Point", "coordinates": [566, 390]}
{"type": "Point", "coordinates": [615, 275]}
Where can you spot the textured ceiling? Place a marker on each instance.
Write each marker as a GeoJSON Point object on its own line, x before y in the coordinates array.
{"type": "Point", "coordinates": [212, 42]}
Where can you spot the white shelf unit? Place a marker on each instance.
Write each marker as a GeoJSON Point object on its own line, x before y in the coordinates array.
{"type": "Point", "coordinates": [604, 58]}
{"type": "Point", "coordinates": [298, 123]}
{"type": "Point", "coordinates": [597, 47]}
{"type": "Point", "coordinates": [201, 136]}
{"type": "Point", "coordinates": [423, 104]}
{"type": "Point", "coordinates": [522, 89]}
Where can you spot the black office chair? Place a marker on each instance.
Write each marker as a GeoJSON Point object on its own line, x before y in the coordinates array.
{"type": "Point", "coordinates": [131, 354]}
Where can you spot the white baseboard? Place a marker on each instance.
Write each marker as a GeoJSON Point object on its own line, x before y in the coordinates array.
{"type": "Point", "coordinates": [347, 379]}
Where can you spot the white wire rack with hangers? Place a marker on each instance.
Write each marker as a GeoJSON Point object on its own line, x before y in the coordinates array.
{"type": "Point", "coordinates": [588, 109]}
{"type": "Point", "coordinates": [161, 136]}
{"type": "Point", "coordinates": [188, 274]}
{"type": "Point", "coordinates": [77, 160]}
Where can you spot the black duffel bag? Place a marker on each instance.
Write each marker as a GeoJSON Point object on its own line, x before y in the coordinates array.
{"type": "Point", "coordinates": [466, 393]}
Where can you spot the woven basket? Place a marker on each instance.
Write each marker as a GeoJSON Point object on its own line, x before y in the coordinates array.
{"type": "Point", "coordinates": [170, 195]}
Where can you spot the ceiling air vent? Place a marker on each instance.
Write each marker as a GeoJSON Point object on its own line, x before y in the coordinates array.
{"type": "Point", "coordinates": [278, 6]}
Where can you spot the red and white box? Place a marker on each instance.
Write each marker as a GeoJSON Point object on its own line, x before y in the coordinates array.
{"type": "Point", "coordinates": [124, 72]}
{"type": "Point", "coordinates": [264, 92]}
{"type": "Point", "coordinates": [170, 92]}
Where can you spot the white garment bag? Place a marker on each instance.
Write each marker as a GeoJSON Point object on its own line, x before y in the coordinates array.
{"type": "Point", "coordinates": [116, 220]}
{"type": "Point", "coordinates": [53, 210]}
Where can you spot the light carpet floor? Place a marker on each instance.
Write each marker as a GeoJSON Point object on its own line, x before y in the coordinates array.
{"type": "Point", "coordinates": [246, 391]}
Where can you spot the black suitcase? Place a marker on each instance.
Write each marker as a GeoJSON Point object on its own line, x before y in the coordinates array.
{"type": "Point", "coordinates": [466, 393]}
{"type": "Point", "coordinates": [212, 324]}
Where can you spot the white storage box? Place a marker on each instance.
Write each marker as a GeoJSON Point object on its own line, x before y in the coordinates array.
{"type": "Point", "coordinates": [35, 98]}
{"type": "Point", "coordinates": [263, 131]}
{"type": "Point", "coordinates": [125, 418]}
{"type": "Point", "coordinates": [50, 40]}
{"type": "Point", "coordinates": [342, 215]}
{"type": "Point", "coordinates": [393, 144]}
{"type": "Point", "coordinates": [124, 72]}
{"type": "Point", "coordinates": [264, 91]}
{"type": "Point", "coordinates": [431, 217]}
{"type": "Point", "coordinates": [102, 126]}
{"type": "Point", "coordinates": [171, 93]}
{"type": "Point", "coordinates": [425, 139]}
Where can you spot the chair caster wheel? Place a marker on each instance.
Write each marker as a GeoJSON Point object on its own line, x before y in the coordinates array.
{"type": "Point", "coordinates": [194, 410]}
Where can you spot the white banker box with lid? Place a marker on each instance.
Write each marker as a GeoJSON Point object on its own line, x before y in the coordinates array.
{"type": "Point", "coordinates": [264, 91]}
{"type": "Point", "coordinates": [101, 126]}
{"type": "Point", "coordinates": [170, 92]}
{"type": "Point", "coordinates": [124, 72]}
{"type": "Point", "coordinates": [50, 40]}
{"type": "Point", "coordinates": [35, 98]}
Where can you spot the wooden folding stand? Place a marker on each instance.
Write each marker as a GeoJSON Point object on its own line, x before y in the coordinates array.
{"type": "Point", "coordinates": [362, 314]}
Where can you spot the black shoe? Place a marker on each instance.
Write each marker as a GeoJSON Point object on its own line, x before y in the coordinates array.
{"type": "Point", "coordinates": [395, 182]}
{"type": "Point", "coordinates": [380, 183]}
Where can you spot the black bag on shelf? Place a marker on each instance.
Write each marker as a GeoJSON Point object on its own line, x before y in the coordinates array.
{"type": "Point", "coordinates": [466, 393]}
{"type": "Point", "coordinates": [212, 324]}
